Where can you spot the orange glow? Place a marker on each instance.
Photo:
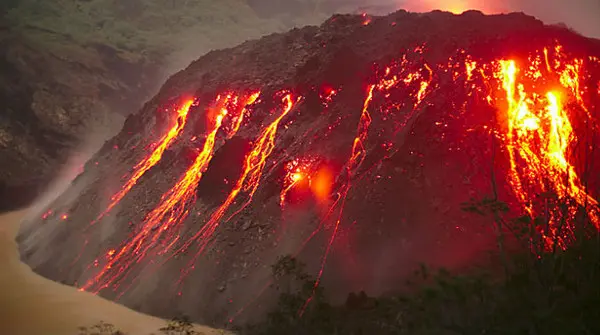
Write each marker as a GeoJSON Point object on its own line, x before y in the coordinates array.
{"type": "Point", "coordinates": [248, 182]}
{"type": "Point", "coordinates": [453, 6]}
{"type": "Point", "coordinates": [296, 171]}
{"type": "Point", "coordinates": [539, 136]}
{"type": "Point", "coordinates": [170, 212]}
{"type": "Point", "coordinates": [322, 184]}
{"type": "Point", "coordinates": [151, 160]}
{"type": "Point", "coordinates": [240, 116]}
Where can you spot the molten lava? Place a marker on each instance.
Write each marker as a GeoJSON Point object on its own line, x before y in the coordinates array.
{"type": "Point", "coordinates": [540, 136]}
{"type": "Point", "coordinates": [172, 209]}
{"type": "Point", "coordinates": [248, 182]}
{"type": "Point", "coordinates": [151, 160]}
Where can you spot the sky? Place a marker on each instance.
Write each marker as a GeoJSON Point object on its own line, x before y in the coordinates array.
{"type": "Point", "coordinates": [581, 15]}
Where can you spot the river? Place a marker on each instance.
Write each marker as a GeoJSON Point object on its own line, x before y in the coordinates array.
{"type": "Point", "coordinates": [33, 305]}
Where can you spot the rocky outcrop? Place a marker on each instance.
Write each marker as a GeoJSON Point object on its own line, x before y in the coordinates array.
{"type": "Point", "coordinates": [397, 121]}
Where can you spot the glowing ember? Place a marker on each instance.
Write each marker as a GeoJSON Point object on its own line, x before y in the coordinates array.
{"type": "Point", "coordinates": [296, 171]}
{"type": "Point", "coordinates": [47, 214]}
{"type": "Point", "coordinates": [366, 19]}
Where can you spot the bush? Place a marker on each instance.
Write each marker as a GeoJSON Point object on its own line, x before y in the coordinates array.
{"type": "Point", "coordinates": [538, 291]}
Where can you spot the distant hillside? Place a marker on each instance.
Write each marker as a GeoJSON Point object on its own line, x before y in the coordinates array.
{"type": "Point", "coordinates": [71, 69]}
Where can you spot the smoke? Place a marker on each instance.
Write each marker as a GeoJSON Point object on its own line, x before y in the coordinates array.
{"type": "Point", "coordinates": [65, 190]}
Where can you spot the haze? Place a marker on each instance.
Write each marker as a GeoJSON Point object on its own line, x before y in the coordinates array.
{"type": "Point", "coordinates": [581, 15]}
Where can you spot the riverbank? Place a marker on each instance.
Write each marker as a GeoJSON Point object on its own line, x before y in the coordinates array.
{"type": "Point", "coordinates": [33, 305]}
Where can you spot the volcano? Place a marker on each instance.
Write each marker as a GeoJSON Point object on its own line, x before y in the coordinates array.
{"type": "Point", "coordinates": [352, 145]}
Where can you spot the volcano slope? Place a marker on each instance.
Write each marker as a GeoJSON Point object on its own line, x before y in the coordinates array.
{"type": "Point", "coordinates": [351, 145]}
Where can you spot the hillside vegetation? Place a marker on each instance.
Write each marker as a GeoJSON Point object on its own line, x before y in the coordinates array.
{"type": "Point", "coordinates": [154, 26]}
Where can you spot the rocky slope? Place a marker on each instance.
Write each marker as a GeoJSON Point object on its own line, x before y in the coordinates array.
{"type": "Point", "coordinates": [353, 145]}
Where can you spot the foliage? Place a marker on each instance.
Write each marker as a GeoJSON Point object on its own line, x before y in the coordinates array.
{"type": "Point", "coordinates": [538, 292]}
{"type": "Point", "coordinates": [179, 326]}
{"type": "Point", "coordinates": [102, 328]}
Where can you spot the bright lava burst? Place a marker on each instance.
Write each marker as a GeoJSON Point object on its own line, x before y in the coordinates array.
{"type": "Point", "coordinates": [539, 138]}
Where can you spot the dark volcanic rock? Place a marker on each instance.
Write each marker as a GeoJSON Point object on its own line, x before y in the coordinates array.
{"type": "Point", "coordinates": [56, 96]}
{"type": "Point", "coordinates": [421, 162]}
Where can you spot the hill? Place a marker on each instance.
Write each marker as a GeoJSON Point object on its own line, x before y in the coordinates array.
{"type": "Point", "coordinates": [352, 145]}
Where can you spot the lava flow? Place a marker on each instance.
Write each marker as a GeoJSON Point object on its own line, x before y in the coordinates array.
{"type": "Point", "coordinates": [248, 181]}
{"type": "Point", "coordinates": [172, 209]}
{"type": "Point", "coordinates": [539, 139]}
{"type": "Point", "coordinates": [151, 160]}
{"type": "Point", "coordinates": [395, 77]}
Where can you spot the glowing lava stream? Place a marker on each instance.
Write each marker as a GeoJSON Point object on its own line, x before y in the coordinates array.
{"type": "Point", "coordinates": [172, 206]}
{"type": "Point", "coordinates": [143, 166]}
{"type": "Point", "coordinates": [388, 82]}
{"type": "Point", "coordinates": [540, 137]}
{"type": "Point", "coordinates": [247, 182]}
{"type": "Point", "coordinates": [357, 156]}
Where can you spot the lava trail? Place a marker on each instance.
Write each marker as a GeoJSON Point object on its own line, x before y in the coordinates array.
{"type": "Point", "coordinates": [248, 182]}
{"type": "Point", "coordinates": [539, 138]}
{"type": "Point", "coordinates": [172, 209]}
{"type": "Point", "coordinates": [151, 160]}
{"type": "Point", "coordinates": [394, 78]}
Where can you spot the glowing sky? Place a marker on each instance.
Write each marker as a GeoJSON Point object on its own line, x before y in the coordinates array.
{"type": "Point", "coordinates": [580, 15]}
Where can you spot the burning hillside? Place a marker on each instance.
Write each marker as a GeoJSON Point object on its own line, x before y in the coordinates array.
{"type": "Point", "coordinates": [352, 145]}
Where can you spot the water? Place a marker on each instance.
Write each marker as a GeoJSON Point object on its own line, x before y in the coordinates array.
{"type": "Point", "coordinates": [33, 305]}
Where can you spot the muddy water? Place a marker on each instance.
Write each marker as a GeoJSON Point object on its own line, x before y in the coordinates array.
{"type": "Point", "coordinates": [33, 305]}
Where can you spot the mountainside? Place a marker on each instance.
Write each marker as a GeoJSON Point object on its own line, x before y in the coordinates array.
{"type": "Point", "coordinates": [353, 145]}
{"type": "Point", "coordinates": [57, 95]}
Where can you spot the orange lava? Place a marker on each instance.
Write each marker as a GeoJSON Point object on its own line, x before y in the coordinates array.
{"type": "Point", "coordinates": [248, 182]}
{"type": "Point", "coordinates": [537, 101]}
{"type": "Point", "coordinates": [295, 172]}
{"type": "Point", "coordinates": [240, 116]}
{"type": "Point", "coordinates": [151, 160]}
{"type": "Point", "coordinates": [172, 209]}
{"type": "Point", "coordinates": [539, 137]}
